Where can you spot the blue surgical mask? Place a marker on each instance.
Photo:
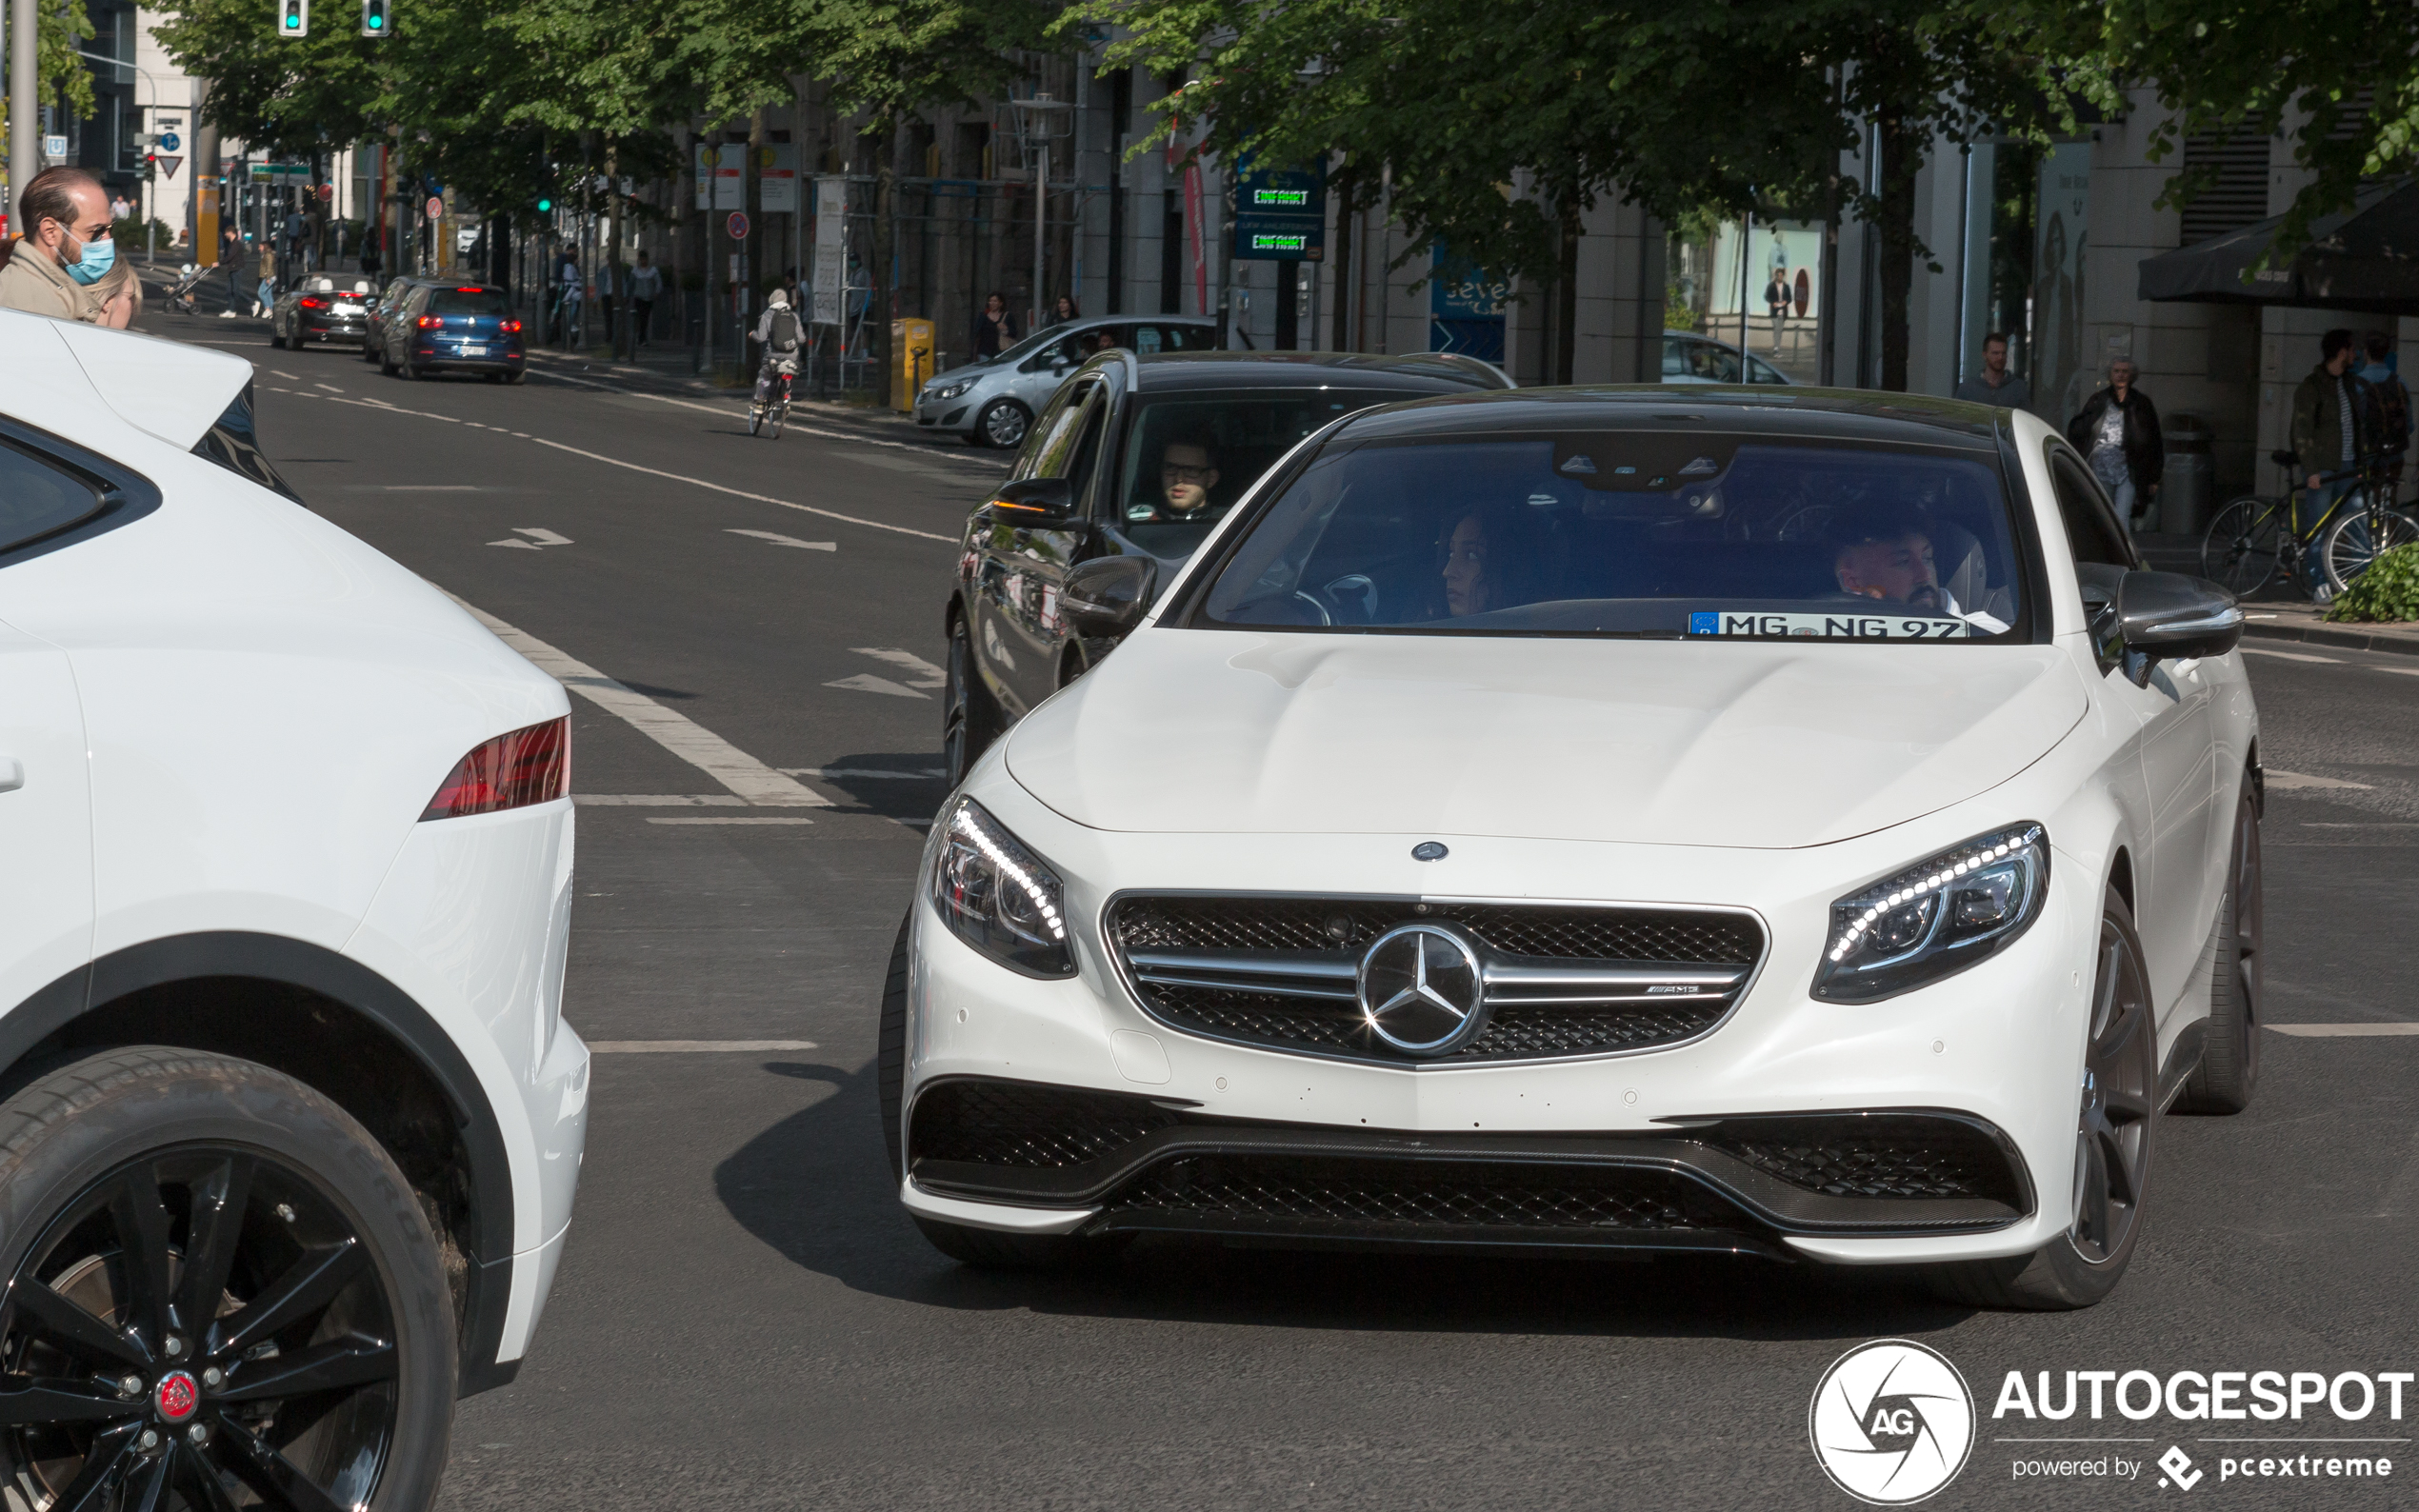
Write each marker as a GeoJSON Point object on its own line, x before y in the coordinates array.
{"type": "Point", "coordinates": [100, 255]}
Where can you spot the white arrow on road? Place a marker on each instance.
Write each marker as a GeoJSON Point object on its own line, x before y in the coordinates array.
{"type": "Point", "coordinates": [537, 537]}
{"type": "Point", "coordinates": [927, 675]}
{"type": "Point", "coordinates": [788, 540]}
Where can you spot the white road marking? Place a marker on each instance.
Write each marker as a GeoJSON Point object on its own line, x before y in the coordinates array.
{"type": "Point", "coordinates": [867, 683]}
{"type": "Point", "coordinates": [742, 493]}
{"type": "Point", "coordinates": [541, 535]}
{"type": "Point", "coordinates": [729, 412]}
{"type": "Point", "coordinates": [427, 488]}
{"type": "Point", "coordinates": [730, 820]}
{"type": "Point", "coordinates": [2344, 1031]}
{"type": "Point", "coordinates": [661, 800]}
{"type": "Point", "coordinates": [685, 738]}
{"type": "Point", "coordinates": [927, 674]}
{"type": "Point", "coordinates": [290, 378]}
{"type": "Point", "coordinates": [788, 540]}
{"type": "Point", "coordinates": [518, 545]}
{"type": "Point", "coordinates": [922, 775]}
{"type": "Point", "coordinates": [2400, 672]}
{"type": "Point", "coordinates": [2288, 656]}
{"type": "Point", "coordinates": [691, 1047]}
{"type": "Point", "coordinates": [330, 387]}
{"type": "Point", "coordinates": [2285, 782]}
{"type": "Point", "coordinates": [2368, 824]}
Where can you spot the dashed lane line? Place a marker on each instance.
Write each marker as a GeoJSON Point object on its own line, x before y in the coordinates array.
{"type": "Point", "coordinates": [2344, 1031]}
{"type": "Point", "coordinates": [676, 477]}
{"type": "Point", "coordinates": [676, 732]}
{"type": "Point", "coordinates": [2285, 782]}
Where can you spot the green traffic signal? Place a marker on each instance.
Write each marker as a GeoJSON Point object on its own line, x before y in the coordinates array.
{"type": "Point", "coordinates": [293, 18]}
{"type": "Point", "coordinates": [373, 18]}
{"type": "Point", "coordinates": [544, 206]}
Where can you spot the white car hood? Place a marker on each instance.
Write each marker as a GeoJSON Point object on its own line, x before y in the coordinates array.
{"type": "Point", "coordinates": [1757, 745]}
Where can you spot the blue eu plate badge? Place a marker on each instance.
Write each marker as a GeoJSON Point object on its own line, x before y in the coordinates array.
{"type": "Point", "coordinates": [1705, 622]}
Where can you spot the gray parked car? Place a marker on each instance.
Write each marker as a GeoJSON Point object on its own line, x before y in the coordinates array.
{"type": "Point", "coordinates": [991, 401]}
{"type": "Point", "coordinates": [1689, 358]}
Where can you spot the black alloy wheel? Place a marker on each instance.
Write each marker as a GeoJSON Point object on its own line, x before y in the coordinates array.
{"type": "Point", "coordinates": [2229, 1072]}
{"type": "Point", "coordinates": [2113, 1146]}
{"type": "Point", "coordinates": [969, 719]}
{"type": "Point", "coordinates": [218, 1322]}
{"type": "Point", "coordinates": [1003, 424]}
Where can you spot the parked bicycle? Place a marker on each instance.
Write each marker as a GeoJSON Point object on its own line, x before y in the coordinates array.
{"type": "Point", "coordinates": [767, 417]}
{"type": "Point", "coordinates": [2258, 536]}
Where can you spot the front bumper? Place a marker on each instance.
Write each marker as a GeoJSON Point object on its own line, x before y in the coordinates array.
{"type": "Point", "coordinates": [948, 415]}
{"type": "Point", "coordinates": [1995, 1050]}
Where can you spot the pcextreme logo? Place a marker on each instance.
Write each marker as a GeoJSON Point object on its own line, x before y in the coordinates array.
{"type": "Point", "coordinates": [1891, 1422]}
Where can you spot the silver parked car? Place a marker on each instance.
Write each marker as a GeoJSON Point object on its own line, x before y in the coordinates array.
{"type": "Point", "coordinates": [1689, 358]}
{"type": "Point", "coordinates": [991, 401]}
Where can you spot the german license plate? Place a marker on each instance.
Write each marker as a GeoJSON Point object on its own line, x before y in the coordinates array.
{"type": "Point", "coordinates": [468, 351]}
{"type": "Point", "coordinates": [348, 309]}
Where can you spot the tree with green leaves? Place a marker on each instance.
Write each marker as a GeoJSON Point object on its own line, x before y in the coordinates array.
{"type": "Point", "coordinates": [2338, 78]}
{"type": "Point", "coordinates": [1497, 130]}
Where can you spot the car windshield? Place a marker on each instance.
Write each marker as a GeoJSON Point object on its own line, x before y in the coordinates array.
{"type": "Point", "coordinates": [1642, 533]}
{"type": "Point", "coordinates": [467, 302]}
{"type": "Point", "coordinates": [1190, 458]}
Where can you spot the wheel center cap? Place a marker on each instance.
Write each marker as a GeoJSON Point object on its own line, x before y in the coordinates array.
{"type": "Point", "coordinates": [176, 1396]}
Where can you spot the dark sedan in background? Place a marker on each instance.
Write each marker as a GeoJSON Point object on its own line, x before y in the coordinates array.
{"type": "Point", "coordinates": [453, 327]}
{"type": "Point", "coordinates": [1137, 457]}
{"type": "Point", "coordinates": [322, 307]}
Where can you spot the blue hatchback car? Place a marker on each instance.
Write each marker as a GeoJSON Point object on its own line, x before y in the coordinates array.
{"type": "Point", "coordinates": [454, 328]}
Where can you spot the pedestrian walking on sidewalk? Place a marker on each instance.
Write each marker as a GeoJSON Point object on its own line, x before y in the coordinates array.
{"type": "Point", "coordinates": [646, 286]}
{"type": "Point", "coordinates": [1995, 384]}
{"type": "Point", "coordinates": [2118, 429]}
{"type": "Point", "coordinates": [995, 328]}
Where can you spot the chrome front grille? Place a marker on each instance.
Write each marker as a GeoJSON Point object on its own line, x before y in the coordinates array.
{"type": "Point", "coordinates": [1559, 980]}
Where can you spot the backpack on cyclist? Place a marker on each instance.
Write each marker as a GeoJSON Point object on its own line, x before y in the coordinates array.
{"type": "Point", "coordinates": [782, 333]}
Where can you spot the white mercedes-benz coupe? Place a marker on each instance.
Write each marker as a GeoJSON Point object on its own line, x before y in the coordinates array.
{"type": "Point", "coordinates": [1688, 820]}
{"type": "Point", "coordinates": [290, 1121]}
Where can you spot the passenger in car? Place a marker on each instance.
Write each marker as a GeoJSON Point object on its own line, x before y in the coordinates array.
{"type": "Point", "coordinates": [1188, 470]}
{"type": "Point", "coordinates": [1486, 566]}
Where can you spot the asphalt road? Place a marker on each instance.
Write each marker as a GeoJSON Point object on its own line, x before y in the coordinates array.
{"type": "Point", "coordinates": [744, 1319]}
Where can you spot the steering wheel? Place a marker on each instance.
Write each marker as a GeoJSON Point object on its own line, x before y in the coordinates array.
{"type": "Point", "coordinates": [1349, 600]}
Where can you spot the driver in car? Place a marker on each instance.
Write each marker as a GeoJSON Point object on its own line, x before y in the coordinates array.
{"type": "Point", "coordinates": [1889, 557]}
{"type": "Point", "coordinates": [1188, 470]}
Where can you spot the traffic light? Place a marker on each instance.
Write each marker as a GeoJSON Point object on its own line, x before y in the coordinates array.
{"type": "Point", "coordinates": [373, 18]}
{"type": "Point", "coordinates": [293, 18]}
{"type": "Point", "coordinates": [545, 206]}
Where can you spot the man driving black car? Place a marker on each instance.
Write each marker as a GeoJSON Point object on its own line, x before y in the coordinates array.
{"type": "Point", "coordinates": [1188, 470]}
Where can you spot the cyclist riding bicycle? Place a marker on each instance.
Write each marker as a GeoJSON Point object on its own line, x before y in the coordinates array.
{"type": "Point", "coordinates": [781, 335]}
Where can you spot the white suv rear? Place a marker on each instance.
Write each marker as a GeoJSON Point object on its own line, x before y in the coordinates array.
{"type": "Point", "coordinates": [289, 1122]}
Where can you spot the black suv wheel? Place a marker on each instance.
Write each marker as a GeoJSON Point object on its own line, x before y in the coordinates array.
{"type": "Point", "coordinates": [217, 1278]}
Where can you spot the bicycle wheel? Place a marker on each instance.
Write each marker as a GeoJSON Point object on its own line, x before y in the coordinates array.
{"type": "Point", "coordinates": [2239, 554]}
{"type": "Point", "coordinates": [780, 413]}
{"type": "Point", "coordinates": [755, 418]}
{"type": "Point", "coordinates": [2352, 543]}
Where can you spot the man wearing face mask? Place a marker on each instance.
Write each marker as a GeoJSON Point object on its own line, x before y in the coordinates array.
{"type": "Point", "coordinates": [64, 251]}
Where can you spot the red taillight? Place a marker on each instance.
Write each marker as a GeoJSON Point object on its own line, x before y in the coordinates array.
{"type": "Point", "coordinates": [511, 327]}
{"type": "Point", "coordinates": [314, 304]}
{"type": "Point", "coordinates": [530, 766]}
{"type": "Point", "coordinates": [430, 321]}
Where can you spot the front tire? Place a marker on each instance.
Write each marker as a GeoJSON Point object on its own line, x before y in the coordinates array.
{"type": "Point", "coordinates": [1003, 424]}
{"type": "Point", "coordinates": [2229, 1072]}
{"type": "Point", "coordinates": [970, 721]}
{"type": "Point", "coordinates": [890, 1051]}
{"type": "Point", "coordinates": [153, 1196]}
{"type": "Point", "coordinates": [2351, 545]}
{"type": "Point", "coordinates": [2114, 1138]}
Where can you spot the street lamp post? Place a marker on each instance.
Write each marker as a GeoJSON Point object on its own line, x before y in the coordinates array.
{"type": "Point", "coordinates": [1046, 109]}
{"type": "Point", "coordinates": [25, 112]}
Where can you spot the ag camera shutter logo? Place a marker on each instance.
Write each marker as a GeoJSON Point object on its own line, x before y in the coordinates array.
{"type": "Point", "coordinates": [1891, 1422]}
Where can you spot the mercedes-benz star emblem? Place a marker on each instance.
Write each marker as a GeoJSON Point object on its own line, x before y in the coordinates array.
{"type": "Point", "coordinates": [1421, 990]}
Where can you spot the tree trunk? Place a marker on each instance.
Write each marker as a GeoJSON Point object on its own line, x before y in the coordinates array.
{"type": "Point", "coordinates": [1901, 153]}
{"type": "Point", "coordinates": [1567, 295]}
{"type": "Point", "coordinates": [879, 316]}
{"type": "Point", "coordinates": [1340, 258]}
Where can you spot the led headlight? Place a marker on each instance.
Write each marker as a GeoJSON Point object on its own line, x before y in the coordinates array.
{"type": "Point", "coordinates": [998, 896]}
{"type": "Point", "coordinates": [1936, 918]}
{"type": "Point", "coordinates": [949, 392]}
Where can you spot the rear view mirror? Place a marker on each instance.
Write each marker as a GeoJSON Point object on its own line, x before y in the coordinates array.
{"type": "Point", "coordinates": [2169, 617]}
{"type": "Point", "coordinates": [1109, 595]}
